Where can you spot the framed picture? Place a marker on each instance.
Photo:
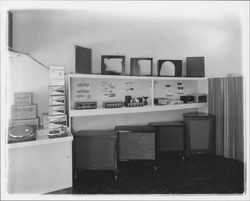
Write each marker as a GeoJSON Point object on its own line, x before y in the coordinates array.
{"type": "Point", "coordinates": [141, 66]}
{"type": "Point", "coordinates": [169, 68]}
{"type": "Point", "coordinates": [113, 65]}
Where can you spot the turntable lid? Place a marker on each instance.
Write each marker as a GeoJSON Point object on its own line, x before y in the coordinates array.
{"type": "Point", "coordinates": [20, 131]}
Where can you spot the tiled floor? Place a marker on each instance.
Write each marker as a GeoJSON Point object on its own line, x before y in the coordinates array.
{"type": "Point", "coordinates": [200, 174]}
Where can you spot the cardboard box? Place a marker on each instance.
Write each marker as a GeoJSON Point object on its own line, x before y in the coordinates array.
{"type": "Point", "coordinates": [30, 122]}
{"type": "Point", "coordinates": [57, 110]}
{"type": "Point", "coordinates": [56, 100]}
{"type": "Point", "coordinates": [54, 122]}
{"type": "Point", "coordinates": [56, 75]}
{"type": "Point", "coordinates": [23, 98]}
{"type": "Point", "coordinates": [23, 111]}
{"type": "Point", "coordinates": [55, 90]}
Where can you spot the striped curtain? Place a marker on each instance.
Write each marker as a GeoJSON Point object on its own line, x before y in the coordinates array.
{"type": "Point", "coordinates": [225, 101]}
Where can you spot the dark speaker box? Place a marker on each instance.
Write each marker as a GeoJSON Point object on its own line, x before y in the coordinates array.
{"type": "Point", "coordinates": [200, 131]}
{"type": "Point", "coordinates": [195, 67]}
{"type": "Point", "coordinates": [83, 60]}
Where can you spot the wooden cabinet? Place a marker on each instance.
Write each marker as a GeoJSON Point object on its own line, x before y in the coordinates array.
{"type": "Point", "coordinates": [200, 133]}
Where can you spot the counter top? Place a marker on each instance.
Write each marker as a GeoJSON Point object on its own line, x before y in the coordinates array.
{"type": "Point", "coordinates": [41, 138]}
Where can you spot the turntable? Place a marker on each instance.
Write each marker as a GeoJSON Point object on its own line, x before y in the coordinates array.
{"type": "Point", "coordinates": [21, 133]}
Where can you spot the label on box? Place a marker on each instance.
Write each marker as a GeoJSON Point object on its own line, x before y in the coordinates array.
{"type": "Point", "coordinates": [53, 122]}
{"type": "Point", "coordinates": [56, 75]}
{"type": "Point", "coordinates": [23, 98]}
{"type": "Point", "coordinates": [23, 111]}
{"type": "Point", "coordinates": [56, 100]}
{"type": "Point", "coordinates": [56, 90]}
{"type": "Point", "coordinates": [30, 122]}
{"type": "Point", "coordinates": [57, 110]}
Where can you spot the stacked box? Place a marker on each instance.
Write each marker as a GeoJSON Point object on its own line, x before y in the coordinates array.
{"type": "Point", "coordinates": [24, 112]}
{"type": "Point", "coordinates": [56, 117]}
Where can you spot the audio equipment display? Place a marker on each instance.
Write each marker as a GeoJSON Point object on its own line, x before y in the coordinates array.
{"type": "Point", "coordinates": [86, 105]}
{"type": "Point", "coordinates": [195, 67]}
{"type": "Point", "coordinates": [114, 104]}
{"type": "Point", "coordinates": [23, 111]}
{"type": "Point", "coordinates": [187, 99]}
{"type": "Point", "coordinates": [161, 101]}
{"type": "Point", "coordinates": [23, 98]}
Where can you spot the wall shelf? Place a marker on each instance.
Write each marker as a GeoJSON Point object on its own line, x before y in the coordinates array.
{"type": "Point", "coordinates": [128, 110]}
{"type": "Point", "coordinates": [151, 86]}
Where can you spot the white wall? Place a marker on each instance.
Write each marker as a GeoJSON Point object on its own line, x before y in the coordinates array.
{"type": "Point", "coordinates": [50, 37]}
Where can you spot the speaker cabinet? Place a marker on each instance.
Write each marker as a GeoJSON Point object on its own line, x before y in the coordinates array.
{"type": "Point", "coordinates": [195, 66]}
{"type": "Point", "coordinates": [169, 136]}
{"type": "Point", "coordinates": [83, 61]}
{"type": "Point", "coordinates": [200, 132]}
{"type": "Point", "coordinates": [95, 150]}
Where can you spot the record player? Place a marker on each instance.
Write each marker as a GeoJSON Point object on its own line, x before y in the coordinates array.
{"type": "Point", "coordinates": [21, 133]}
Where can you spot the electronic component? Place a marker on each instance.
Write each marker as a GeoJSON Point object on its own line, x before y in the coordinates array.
{"type": "Point", "coordinates": [134, 104]}
{"type": "Point", "coordinates": [86, 105]}
{"type": "Point", "coordinates": [200, 98]}
{"type": "Point", "coordinates": [175, 102]}
{"type": "Point", "coordinates": [114, 104]}
{"type": "Point", "coordinates": [161, 101]}
{"type": "Point", "coordinates": [187, 99]}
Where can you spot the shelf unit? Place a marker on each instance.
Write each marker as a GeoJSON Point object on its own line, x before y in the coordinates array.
{"type": "Point", "coordinates": [127, 110]}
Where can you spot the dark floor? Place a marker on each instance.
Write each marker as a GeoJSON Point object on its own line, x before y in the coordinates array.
{"type": "Point", "coordinates": [198, 174]}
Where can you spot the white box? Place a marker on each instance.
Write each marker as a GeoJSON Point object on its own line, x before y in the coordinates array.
{"type": "Point", "coordinates": [56, 75]}
{"type": "Point", "coordinates": [31, 122]}
{"type": "Point", "coordinates": [23, 98]}
{"type": "Point", "coordinates": [23, 111]}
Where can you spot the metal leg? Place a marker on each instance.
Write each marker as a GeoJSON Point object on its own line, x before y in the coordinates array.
{"type": "Point", "coordinates": [116, 175]}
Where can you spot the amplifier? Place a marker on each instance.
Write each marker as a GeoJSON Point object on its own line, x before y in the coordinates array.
{"type": "Point", "coordinates": [200, 98]}
{"type": "Point", "coordinates": [114, 104]}
{"type": "Point", "coordinates": [134, 104]}
{"type": "Point", "coordinates": [86, 105]}
{"type": "Point", "coordinates": [187, 99]}
{"type": "Point", "coordinates": [161, 101]}
{"type": "Point", "coordinates": [175, 102]}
